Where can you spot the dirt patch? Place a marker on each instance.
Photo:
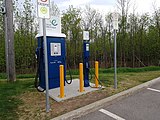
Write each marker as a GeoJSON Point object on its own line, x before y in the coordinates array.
{"type": "Point", "coordinates": [34, 104]}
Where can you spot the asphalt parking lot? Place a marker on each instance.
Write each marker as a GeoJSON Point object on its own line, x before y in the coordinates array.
{"type": "Point", "coordinates": [144, 105]}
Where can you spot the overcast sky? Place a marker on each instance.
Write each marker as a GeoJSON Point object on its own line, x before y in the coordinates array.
{"type": "Point", "coordinates": [108, 5]}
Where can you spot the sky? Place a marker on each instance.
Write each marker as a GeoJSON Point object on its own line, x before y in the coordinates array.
{"type": "Point", "coordinates": [142, 6]}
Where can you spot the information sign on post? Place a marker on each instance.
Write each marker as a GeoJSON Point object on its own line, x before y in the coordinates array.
{"type": "Point", "coordinates": [115, 20]}
{"type": "Point", "coordinates": [43, 7]}
{"type": "Point", "coordinates": [85, 35]}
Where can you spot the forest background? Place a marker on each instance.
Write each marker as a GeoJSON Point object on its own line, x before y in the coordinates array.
{"type": "Point", "coordinates": [138, 36]}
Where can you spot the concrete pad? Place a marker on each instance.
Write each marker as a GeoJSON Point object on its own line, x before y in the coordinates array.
{"type": "Point", "coordinates": [70, 90]}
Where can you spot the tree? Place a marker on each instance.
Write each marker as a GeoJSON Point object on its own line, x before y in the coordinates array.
{"type": "Point", "coordinates": [2, 44]}
{"type": "Point", "coordinates": [9, 41]}
{"type": "Point", "coordinates": [123, 6]}
{"type": "Point", "coordinates": [25, 32]}
{"type": "Point", "coordinates": [71, 24]}
{"type": "Point", "coordinates": [108, 20]}
{"type": "Point", "coordinates": [133, 25]}
{"type": "Point", "coordinates": [143, 26]}
{"type": "Point", "coordinates": [54, 10]}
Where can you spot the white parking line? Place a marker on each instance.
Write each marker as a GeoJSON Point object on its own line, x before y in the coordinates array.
{"type": "Point", "coordinates": [111, 114]}
{"type": "Point", "coordinates": [153, 90]}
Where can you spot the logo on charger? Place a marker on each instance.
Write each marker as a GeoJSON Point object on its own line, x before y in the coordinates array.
{"type": "Point", "coordinates": [54, 22]}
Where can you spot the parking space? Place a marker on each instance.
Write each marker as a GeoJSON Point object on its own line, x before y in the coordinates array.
{"type": "Point", "coordinates": [144, 105]}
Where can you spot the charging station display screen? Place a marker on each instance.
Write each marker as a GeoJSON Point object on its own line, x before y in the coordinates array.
{"type": "Point", "coordinates": [55, 49]}
{"type": "Point", "coordinates": [87, 47]}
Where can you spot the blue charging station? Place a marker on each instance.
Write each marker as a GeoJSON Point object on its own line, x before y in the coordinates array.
{"type": "Point", "coordinates": [56, 57]}
{"type": "Point", "coordinates": [56, 54]}
{"type": "Point", "coordinates": [86, 63]}
{"type": "Point", "coordinates": [86, 58]}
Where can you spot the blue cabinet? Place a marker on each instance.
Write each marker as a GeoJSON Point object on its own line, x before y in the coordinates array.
{"type": "Point", "coordinates": [56, 57]}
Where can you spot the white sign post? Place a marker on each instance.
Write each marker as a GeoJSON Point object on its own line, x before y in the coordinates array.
{"type": "Point", "coordinates": [115, 20]}
{"type": "Point", "coordinates": [43, 7]}
{"type": "Point", "coordinates": [85, 35]}
{"type": "Point", "coordinates": [115, 27]}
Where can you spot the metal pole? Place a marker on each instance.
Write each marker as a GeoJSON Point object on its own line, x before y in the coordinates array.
{"type": "Point", "coordinates": [46, 66]}
{"type": "Point", "coordinates": [115, 60]}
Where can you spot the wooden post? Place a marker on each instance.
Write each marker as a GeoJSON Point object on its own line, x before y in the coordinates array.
{"type": "Point", "coordinates": [9, 41]}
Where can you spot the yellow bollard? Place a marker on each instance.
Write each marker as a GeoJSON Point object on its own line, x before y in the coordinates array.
{"type": "Point", "coordinates": [96, 74]}
{"type": "Point", "coordinates": [61, 81]}
{"type": "Point", "coordinates": [81, 77]}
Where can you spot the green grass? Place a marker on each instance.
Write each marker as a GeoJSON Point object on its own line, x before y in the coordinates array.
{"type": "Point", "coordinates": [130, 79]}
{"type": "Point", "coordinates": [19, 76]}
{"type": "Point", "coordinates": [9, 101]}
{"type": "Point", "coordinates": [121, 70]}
{"type": "Point", "coordinates": [76, 72]}
{"type": "Point", "coordinates": [127, 69]}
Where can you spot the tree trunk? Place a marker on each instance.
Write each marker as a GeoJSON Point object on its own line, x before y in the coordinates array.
{"type": "Point", "coordinates": [9, 35]}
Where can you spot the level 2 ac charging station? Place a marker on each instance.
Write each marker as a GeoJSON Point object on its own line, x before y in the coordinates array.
{"type": "Point", "coordinates": [55, 52]}
{"type": "Point", "coordinates": [86, 58]}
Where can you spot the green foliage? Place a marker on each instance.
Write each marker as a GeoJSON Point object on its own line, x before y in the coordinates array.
{"type": "Point", "coordinates": [71, 27]}
{"type": "Point", "coordinates": [25, 43]}
{"type": "Point", "coordinates": [138, 37]}
{"type": "Point", "coordinates": [2, 55]}
{"type": "Point", "coordinates": [2, 45]}
{"type": "Point", "coordinates": [73, 72]}
{"type": "Point", "coordinates": [3, 76]}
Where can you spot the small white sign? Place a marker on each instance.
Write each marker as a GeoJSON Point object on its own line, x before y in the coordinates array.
{"type": "Point", "coordinates": [43, 7]}
{"type": "Point", "coordinates": [115, 20]}
{"type": "Point", "coordinates": [53, 25]}
{"type": "Point", "coordinates": [85, 35]}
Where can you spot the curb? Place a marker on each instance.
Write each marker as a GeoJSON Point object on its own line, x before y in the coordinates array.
{"type": "Point", "coordinates": [107, 101]}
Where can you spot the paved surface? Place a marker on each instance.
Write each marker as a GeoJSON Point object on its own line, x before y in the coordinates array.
{"type": "Point", "coordinates": [144, 105]}
{"type": "Point", "coordinates": [70, 90]}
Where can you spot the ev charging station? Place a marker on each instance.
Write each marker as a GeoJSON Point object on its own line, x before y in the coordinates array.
{"type": "Point", "coordinates": [55, 51]}
{"type": "Point", "coordinates": [56, 54]}
{"type": "Point", "coordinates": [86, 58]}
{"type": "Point", "coordinates": [56, 57]}
{"type": "Point", "coordinates": [51, 59]}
